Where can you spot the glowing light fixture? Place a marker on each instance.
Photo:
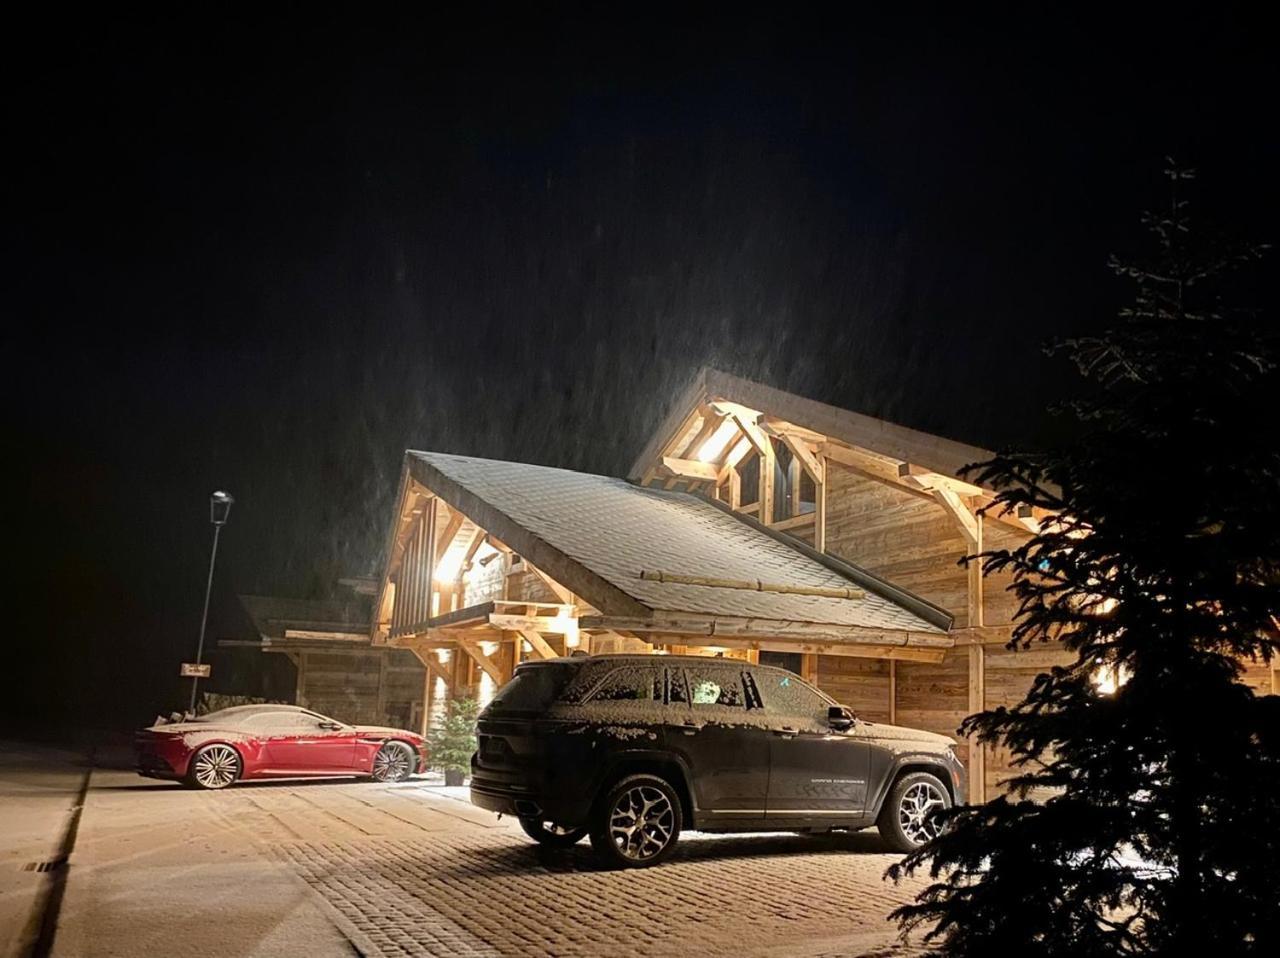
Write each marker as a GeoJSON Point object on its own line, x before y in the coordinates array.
{"type": "Point", "coordinates": [447, 571]}
{"type": "Point", "coordinates": [718, 441]}
{"type": "Point", "coordinates": [566, 624]}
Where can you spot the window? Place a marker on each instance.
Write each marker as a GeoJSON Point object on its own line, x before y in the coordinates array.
{"type": "Point", "coordinates": [282, 723]}
{"type": "Point", "coordinates": [715, 687]}
{"type": "Point", "coordinates": [534, 687]}
{"type": "Point", "coordinates": [677, 692]}
{"type": "Point", "coordinates": [784, 474]}
{"type": "Point", "coordinates": [749, 479]}
{"type": "Point", "coordinates": [588, 674]}
{"type": "Point", "coordinates": [630, 685]}
{"type": "Point", "coordinates": [785, 694]}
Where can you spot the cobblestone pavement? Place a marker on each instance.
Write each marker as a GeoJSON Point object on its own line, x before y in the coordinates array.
{"type": "Point", "coordinates": [415, 870]}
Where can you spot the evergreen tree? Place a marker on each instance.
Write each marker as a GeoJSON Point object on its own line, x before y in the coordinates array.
{"type": "Point", "coordinates": [452, 742]}
{"type": "Point", "coordinates": [1156, 829]}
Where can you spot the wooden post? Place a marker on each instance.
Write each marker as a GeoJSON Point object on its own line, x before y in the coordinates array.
{"type": "Point", "coordinates": [380, 701]}
{"type": "Point", "coordinates": [300, 682]}
{"type": "Point", "coordinates": [893, 692]}
{"type": "Point", "coordinates": [977, 702]}
{"type": "Point", "coordinates": [428, 693]}
{"type": "Point", "coordinates": [809, 667]}
{"type": "Point", "coordinates": [820, 516]}
{"type": "Point", "coordinates": [767, 467]}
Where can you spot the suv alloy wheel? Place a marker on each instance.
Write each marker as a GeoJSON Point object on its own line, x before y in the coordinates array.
{"type": "Point", "coordinates": [636, 822]}
{"type": "Point", "coordinates": [906, 820]}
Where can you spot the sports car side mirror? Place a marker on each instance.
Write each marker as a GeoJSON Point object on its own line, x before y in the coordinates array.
{"type": "Point", "coordinates": [840, 718]}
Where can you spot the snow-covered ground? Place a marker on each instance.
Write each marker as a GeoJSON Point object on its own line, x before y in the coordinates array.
{"type": "Point", "coordinates": [341, 868]}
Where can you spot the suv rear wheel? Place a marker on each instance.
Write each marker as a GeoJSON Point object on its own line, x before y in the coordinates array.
{"type": "Point", "coordinates": [906, 820]}
{"type": "Point", "coordinates": [549, 833]}
{"type": "Point", "coordinates": [636, 822]}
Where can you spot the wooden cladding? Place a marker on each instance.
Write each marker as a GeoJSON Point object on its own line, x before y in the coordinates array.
{"type": "Point", "coordinates": [413, 580]}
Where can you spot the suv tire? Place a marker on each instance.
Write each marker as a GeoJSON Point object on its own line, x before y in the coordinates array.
{"type": "Point", "coordinates": [551, 834]}
{"type": "Point", "coordinates": [904, 821]}
{"type": "Point", "coordinates": [636, 822]}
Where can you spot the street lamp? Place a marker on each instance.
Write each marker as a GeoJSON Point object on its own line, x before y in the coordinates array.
{"type": "Point", "coordinates": [219, 511]}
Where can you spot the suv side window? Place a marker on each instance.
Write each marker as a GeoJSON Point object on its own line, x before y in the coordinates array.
{"type": "Point", "coordinates": [782, 693]}
{"type": "Point", "coordinates": [634, 684]}
{"type": "Point", "coordinates": [715, 686]}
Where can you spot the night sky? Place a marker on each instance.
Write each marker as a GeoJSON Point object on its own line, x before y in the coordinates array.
{"type": "Point", "coordinates": [269, 256]}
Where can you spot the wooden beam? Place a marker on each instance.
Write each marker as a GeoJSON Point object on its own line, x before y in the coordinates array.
{"type": "Point", "coordinates": [848, 649]}
{"type": "Point", "coordinates": [538, 643]}
{"type": "Point", "coordinates": [805, 456]}
{"type": "Point", "coordinates": [960, 515]}
{"type": "Point", "coordinates": [472, 648]}
{"type": "Point", "coordinates": [518, 623]}
{"type": "Point", "coordinates": [711, 421]}
{"type": "Point", "coordinates": [764, 629]}
{"type": "Point", "coordinates": [977, 702]}
{"type": "Point", "coordinates": [688, 469]}
{"type": "Point", "coordinates": [820, 511]}
{"type": "Point", "coordinates": [977, 597]}
{"type": "Point", "coordinates": [893, 692]}
{"type": "Point", "coordinates": [446, 535]}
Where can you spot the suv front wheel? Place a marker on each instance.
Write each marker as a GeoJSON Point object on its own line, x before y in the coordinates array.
{"type": "Point", "coordinates": [906, 821]}
{"type": "Point", "coordinates": [636, 822]}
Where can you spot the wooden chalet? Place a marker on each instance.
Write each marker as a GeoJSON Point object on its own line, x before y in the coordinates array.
{"type": "Point", "coordinates": [755, 523]}
{"type": "Point", "coordinates": [336, 671]}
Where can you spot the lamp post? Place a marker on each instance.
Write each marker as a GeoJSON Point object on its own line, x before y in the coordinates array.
{"type": "Point", "coordinates": [219, 511]}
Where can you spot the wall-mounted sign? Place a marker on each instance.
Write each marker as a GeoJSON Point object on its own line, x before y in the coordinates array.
{"type": "Point", "coordinates": [190, 670]}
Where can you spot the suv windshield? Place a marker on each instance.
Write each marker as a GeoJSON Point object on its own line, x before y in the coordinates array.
{"type": "Point", "coordinates": [533, 688]}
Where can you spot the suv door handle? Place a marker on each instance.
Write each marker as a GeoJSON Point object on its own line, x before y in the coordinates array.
{"type": "Point", "coordinates": [689, 729]}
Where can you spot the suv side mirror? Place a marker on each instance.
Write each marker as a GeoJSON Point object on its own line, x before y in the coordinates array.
{"type": "Point", "coordinates": [840, 718]}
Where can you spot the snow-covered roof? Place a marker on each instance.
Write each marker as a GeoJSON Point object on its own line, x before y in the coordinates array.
{"type": "Point", "coordinates": [614, 529]}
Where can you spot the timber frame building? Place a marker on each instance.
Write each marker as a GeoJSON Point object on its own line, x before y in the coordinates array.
{"type": "Point", "coordinates": [755, 524]}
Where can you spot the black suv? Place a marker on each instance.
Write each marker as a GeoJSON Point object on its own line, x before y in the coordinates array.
{"type": "Point", "coordinates": [632, 748]}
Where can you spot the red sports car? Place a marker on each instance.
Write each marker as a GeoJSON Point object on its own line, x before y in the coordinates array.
{"type": "Point", "coordinates": [274, 741]}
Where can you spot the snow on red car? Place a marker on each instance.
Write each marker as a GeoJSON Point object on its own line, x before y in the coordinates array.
{"type": "Point", "coordinates": [250, 742]}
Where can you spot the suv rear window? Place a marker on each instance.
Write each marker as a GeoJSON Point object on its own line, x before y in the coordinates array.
{"type": "Point", "coordinates": [637, 684]}
{"type": "Point", "coordinates": [533, 689]}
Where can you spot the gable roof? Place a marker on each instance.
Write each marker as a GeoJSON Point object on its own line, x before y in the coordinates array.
{"type": "Point", "coordinates": [935, 453]}
{"type": "Point", "coordinates": [596, 535]}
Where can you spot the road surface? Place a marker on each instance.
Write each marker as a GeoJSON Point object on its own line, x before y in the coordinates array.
{"type": "Point", "coordinates": [356, 868]}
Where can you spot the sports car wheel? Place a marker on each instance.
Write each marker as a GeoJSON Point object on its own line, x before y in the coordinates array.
{"type": "Point", "coordinates": [214, 766]}
{"type": "Point", "coordinates": [393, 763]}
{"type": "Point", "coordinates": [549, 833]}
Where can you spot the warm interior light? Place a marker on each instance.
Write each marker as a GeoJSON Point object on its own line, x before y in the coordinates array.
{"type": "Point", "coordinates": [718, 441]}
{"type": "Point", "coordinates": [1107, 678]}
{"type": "Point", "coordinates": [447, 571]}
{"type": "Point", "coordinates": [566, 623]}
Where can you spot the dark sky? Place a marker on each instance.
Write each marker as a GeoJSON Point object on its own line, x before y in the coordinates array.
{"type": "Point", "coordinates": [268, 256]}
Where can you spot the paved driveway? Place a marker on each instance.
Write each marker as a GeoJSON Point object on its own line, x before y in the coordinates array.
{"type": "Point", "coordinates": [355, 868]}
